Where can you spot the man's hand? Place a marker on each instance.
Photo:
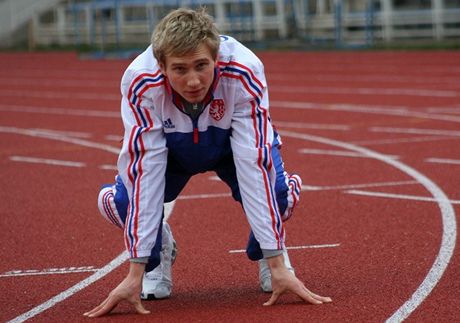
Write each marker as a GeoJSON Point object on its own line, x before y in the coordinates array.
{"type": "Point", "coordinates": [284, 281]}
{"type": "Point", "coordinates": [128, 290]}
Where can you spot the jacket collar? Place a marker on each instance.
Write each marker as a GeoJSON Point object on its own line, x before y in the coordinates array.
{"type": "Point", "coordinates": [178, 100]}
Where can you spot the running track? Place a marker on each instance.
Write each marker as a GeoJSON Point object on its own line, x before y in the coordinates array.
{"type": "Point", "coordinates": [374, 135]}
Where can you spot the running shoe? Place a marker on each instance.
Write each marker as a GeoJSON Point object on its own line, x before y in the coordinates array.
{"type": "Point", "coordinates": [157, 284]}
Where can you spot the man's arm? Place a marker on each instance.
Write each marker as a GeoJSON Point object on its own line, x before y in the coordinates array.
{"type": "Point", "coordinates": [142, 166]}
{"type": "Point", "coordinates": [252, 139]}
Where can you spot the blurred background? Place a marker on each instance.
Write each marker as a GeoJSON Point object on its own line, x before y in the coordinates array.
{"type": "Point", "coordinates": [121, 25]}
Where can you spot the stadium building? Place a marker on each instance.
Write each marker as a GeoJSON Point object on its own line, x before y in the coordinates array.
{"type": "Point", "coordinates": [121, 23]}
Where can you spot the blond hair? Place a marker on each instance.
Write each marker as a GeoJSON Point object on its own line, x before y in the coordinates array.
{"type": "Point", "coordinates": [182, 31]}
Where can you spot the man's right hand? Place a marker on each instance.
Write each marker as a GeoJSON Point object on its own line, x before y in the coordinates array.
{"type": "Point", "coordinates": [128, 290]}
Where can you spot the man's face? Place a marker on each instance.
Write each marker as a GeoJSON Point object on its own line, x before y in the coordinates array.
{"type": "Point", "coordinates": [191, 75]}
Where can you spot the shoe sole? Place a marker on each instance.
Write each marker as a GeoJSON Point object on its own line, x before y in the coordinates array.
{"type": "Point", "coordinates": [151, 297]}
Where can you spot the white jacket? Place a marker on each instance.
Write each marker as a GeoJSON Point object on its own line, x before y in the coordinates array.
{"type": "Point", "coordinates": [236, 119]}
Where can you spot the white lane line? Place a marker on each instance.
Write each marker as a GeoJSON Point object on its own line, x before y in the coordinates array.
{"type": "Point", "coordinates": [317, 246]}
{"type": "Point", "coordinates": [382, 110]}
{"type": "Point", "coordinates": [62, 83]}
{"type": "Point", "coordinates": [49, 271]}
{"type": "Point", "coordinates": [351, 186]}
{"type": "Point", "coordinates": [366, 91]}
{"type": "Point", "coordinates": [454, 110]}
{"type": "Point", "coordinates": [52, 136]}
{"type": "Point", "coordinates": [108, 95]}
{"type": "Point", "coordinates": [342, 153]}
{"type": "Point", "coordinates": [46, 161]}
{"type": "Point", "coordinates": [399, 111]}
{"type": "Point", "coordinates": [397, 196]}
{"type": "Point", "coordinates": [203, 196]}
{"type": "Point", "coordinates": [443, 161]}
{"type": "Point", "coordinates": [116, 262]}
{"type": "Point", "coordinates": [108, 167]}
{"type": "Point", "coordinates": [303, 125]}
{"type": "Point", "coordinates": [118, 138]}
{"type": "Point", "coordinates": [74, 289]}
{"type": "Point", "coordinates": [59, 111]}
{"type": "Point", "coordinates": [449, 222]}
{"type": "Point", "coordinates": [417, 131]}
{"type": "Point", "coordinates": [400, 140]}
{"type": "Point", "coordinates": [361, 78]}
{"type": "Point", "coordinates": [65, 133]}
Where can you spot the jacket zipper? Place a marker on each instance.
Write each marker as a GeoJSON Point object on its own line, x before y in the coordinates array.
{"type": "Point", "coordinates": [195, 130]}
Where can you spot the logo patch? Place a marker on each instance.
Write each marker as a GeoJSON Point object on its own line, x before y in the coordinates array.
{"type": "Point", "coordinates": [168, 124]}
{"type": "Point", "coordinates": [217, 110]}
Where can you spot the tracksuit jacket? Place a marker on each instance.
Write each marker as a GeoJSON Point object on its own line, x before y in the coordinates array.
{"type": "Point", "coordinates": [235, 120]}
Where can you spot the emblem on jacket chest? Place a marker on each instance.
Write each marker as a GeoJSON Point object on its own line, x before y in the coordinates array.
{"type": "Point", "coordinates": [217, 109]}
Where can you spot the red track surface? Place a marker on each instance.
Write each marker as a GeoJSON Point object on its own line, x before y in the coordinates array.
{"type": "Point", "coordinates": [342, 116]}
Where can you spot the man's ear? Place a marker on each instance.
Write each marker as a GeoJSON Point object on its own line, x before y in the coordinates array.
{"type": "Point", "coordinates": [162, 68]}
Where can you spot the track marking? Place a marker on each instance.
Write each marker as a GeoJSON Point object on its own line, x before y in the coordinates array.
{"type": "Point", "coordinates": [350, 186]}
{"type": "Point", "coordinates": [60, 111]}
{"type": "Point", "coordinates": [49, 271]}
{"type": "Point", "coordinates": [317, 246]}
{"type": "Point", "coordinates": [399, 111]}
{"type": "Point", "coordinates": [303, 125]}
{"type": "Point", "coordinates": [47, 161]}
{"type": "Point", "coordinates": [112, 265]}
{"type": "Point", "coordinates": [118, 138]}
{"type": "Point", "coordinates": [417, 131]}
{"type": "Point", "coordinates": [203, 196]}
{"type": "Point", "coordinates": [383, 110]}
{"type": "Point", "coordinates": [400, 140]}
{"type": "Point", "coordinates": [108, 167]}
{"type": "Point", "coordinates": [116, 262]}
{"type": "Point", "coordinates": [53, 136]}
{"type": "Point", "coordinates": [65, 133]}
{"type": "Point", "coordinates": [454, 110]}
{"type": "Point", "coordinates": [121, 258]}
{"type": "Point", "coordinates": [362, 78]}
{"type": "Point", "coordinates": [449, 222]}
{"type": "Point", "coordinates": [366, 91]}
{"type": "Point", "coordinates": [56, 162]}
{"type": "Point", "coordinates": [443, 161]}
{"type": "Point", "coordinates": [430, 281]}
{"type": "Point", "coordinates": [397, 196]}
{"type": "Point", "coordinates": [109, 96]}
{"type": "Point", "coordinates": [342, 153]}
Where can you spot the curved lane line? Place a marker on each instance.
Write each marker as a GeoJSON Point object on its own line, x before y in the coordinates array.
{"type": "Point", "coordinates": [116, 262]}
{"type": "Point", "coordinates": [449, 223]}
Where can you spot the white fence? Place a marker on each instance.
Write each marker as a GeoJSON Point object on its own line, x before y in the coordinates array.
{"type": "Point", "coordinates": [129, 22]}
{"type": "Point", "coordinates": [16, 13]}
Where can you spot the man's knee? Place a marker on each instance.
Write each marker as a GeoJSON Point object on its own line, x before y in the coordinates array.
{"type": "Point", "coordinates": [107, 206]}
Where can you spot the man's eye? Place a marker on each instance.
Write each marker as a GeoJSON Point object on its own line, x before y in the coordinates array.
{"type": "Point", "coordinates": [201, 66]}
{"type": "Point", "coordinates": [179, 69]}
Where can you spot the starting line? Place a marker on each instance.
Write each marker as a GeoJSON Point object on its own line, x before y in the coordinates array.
{"type": "Point", "coordinates": [317, 246]}
{"type": "Point", "coordinates": [49, 271]}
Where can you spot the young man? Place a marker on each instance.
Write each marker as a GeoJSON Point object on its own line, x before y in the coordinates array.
{"type": "Point", "coordinates": [195, 101]}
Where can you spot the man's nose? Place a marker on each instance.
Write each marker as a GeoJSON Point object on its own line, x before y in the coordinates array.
{"type": "Point", "coordinates": [193, 80]}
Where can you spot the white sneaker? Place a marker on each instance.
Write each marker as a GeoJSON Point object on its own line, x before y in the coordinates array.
{"type": "Point", "coordinates": [157, 283]}
{"type": "Point", "coordinates": [265, 276]}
